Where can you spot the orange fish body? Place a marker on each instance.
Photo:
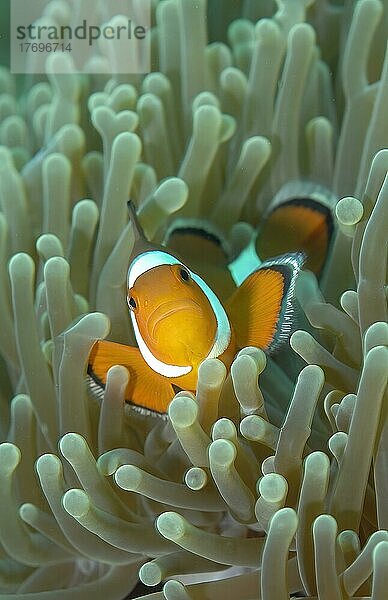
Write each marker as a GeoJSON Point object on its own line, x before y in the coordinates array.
{"type": "Point", "coordinates": [179, 321]}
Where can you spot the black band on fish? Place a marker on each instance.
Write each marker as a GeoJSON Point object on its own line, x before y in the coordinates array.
{"type": "Point", "coordinates": [200, 228]}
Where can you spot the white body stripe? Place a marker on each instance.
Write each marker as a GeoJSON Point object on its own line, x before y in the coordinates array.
{"type": "Point", "coordinates": [156, 258]}
{"type": "Point", "coordinates": [223, 327]}
{"type": "Point", "coordinates": [155, 364]}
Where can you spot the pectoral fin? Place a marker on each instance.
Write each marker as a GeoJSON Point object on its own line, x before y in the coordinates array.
{"type": "Point", "coordinates": [261, 309]}
{"type": "Point", "coordinates": [146, 389]}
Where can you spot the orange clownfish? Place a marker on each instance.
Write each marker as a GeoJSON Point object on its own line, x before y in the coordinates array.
{"type": "Point", "coordinates": [179, 321]}
{"type": "Point", "coordinates": [299, 218]}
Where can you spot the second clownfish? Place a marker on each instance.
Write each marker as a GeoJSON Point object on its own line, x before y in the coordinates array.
{"type": "Point", "coordinates": [299, 217]}
{"type": "Point", "coordinates": [179, 321]}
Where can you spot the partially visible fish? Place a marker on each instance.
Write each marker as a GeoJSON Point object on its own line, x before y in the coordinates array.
{"type": "Point", "coordinates": [205, 250]}
{"type": "Point", "coordinates": [299, 218]}
{"type": "Point", "coordinates": [179, 321]}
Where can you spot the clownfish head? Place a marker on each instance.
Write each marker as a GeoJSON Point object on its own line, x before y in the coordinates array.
{"type": "Point", "coordinates": [177, 319]}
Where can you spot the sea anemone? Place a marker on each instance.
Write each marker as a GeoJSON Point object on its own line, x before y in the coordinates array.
{"type": "Point", "coordinates": [272, 479]}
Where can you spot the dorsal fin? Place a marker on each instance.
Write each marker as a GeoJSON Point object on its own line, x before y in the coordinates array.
{"type": "Point", "coordinates": [141, 242]}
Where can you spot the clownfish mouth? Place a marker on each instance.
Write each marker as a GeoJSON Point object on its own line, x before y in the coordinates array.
{"type": "Point", "coordinates": [168, 309]}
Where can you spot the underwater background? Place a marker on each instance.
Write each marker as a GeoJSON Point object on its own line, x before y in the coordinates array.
{"type": "Point", "coordinates": [274, 475]}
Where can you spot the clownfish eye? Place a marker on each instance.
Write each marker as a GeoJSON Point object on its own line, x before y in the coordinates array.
{"type": "Point", "coordinates": [132, 303]}
{"type": "Point", "coordinates": [184, 274]}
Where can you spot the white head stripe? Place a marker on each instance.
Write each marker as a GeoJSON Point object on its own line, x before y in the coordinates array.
{"type": "Point", "coordinates": [148, 260]}
{"type": "Point", "coordinates": [155, 258]}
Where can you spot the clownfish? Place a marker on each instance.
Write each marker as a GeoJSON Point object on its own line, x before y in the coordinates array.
{"type": "Point", "coordinates": [299, 218]}
{"type": "Point", "coordinates": [179, 321]}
